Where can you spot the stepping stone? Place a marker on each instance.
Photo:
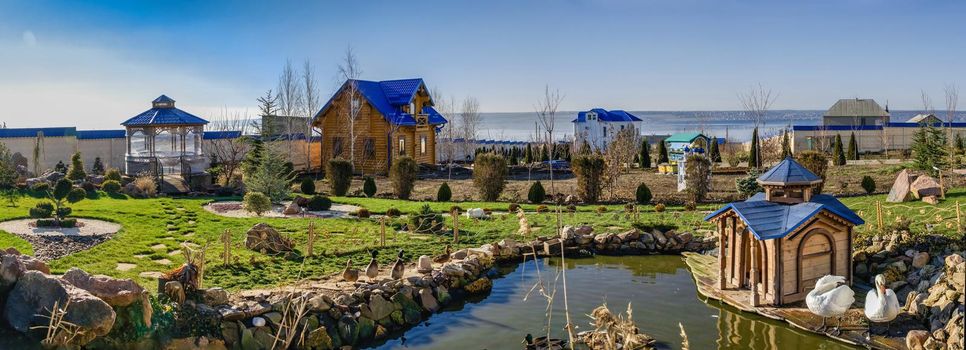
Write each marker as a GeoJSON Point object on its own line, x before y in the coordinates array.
{"type": "Point", "coordinates": [174, 252]}
{"type": "Point", "coordinates": [140, 256]}
{"type": "Point", "coordinates": [189, 234]}
{"type": "Point", "coordinates": [163, 262]}
{"type": "Point", "coordinates": [150, 274]}
{"type": "Point", "coordinates": [159, 246]}
{"type": "Point", "coordinates": [125, 266]}
{"type": "Point", "coordinates": [191, 222]}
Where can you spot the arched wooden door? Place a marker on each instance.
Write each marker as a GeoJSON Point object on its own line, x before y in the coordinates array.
{"type": "Point", "coordinates": [816, 258]}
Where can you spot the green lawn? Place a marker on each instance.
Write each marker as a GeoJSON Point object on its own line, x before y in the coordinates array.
{"type": "Point", "coordinates": [153, 229]}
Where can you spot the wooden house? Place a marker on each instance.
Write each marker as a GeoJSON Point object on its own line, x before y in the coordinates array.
{"type": "Point", "coordinates": [777, 243]}
{"type": "Point", "coordinates": [392, 118]}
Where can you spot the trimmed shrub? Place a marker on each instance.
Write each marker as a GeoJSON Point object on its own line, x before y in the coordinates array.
{"type": "Point", "coordinates": [393, 212]}
{"type": "Point", "coordinates": [112, 174]}
{"type": "Point", "coordinates": [89, 188]}
{"type": "Point", "coordinates": [256, 202]}
{"type": "Point", "coordinates": [369, 186]}
{"type": "Point", "coordinates": [659, 208]}
{"type": "Point", "coordinates": [40, 187]}
{"type": "Point", "coordinates": [747, 186]}
{"type": "Point", "coordinates": [339, 174]}
{"type": "Point", "coordinates": [601, 209]}
{"type": "Point", "coordinates": [690, 206]}
{"type": "Point", "coordinates": [589, 170]}
{"type": "Point", "coordinates": [643, 194]}
{"type": "Point", "coordinates": [426, 221]}
{"type": "Point", "coordinates": [42, 210]}
{"type": "Point", "coordinates": [65, 223]}
{"type": "Point", "coordinates": [111, 186]}
{"type": "Point", "coordinates": [319, 203]}
{"type": "Point", "coordinates": [98, 167]}
{"type": "Point", "coordinates": [456, 208]}
{"type": "Point", "coordinates": [513, 207]}
{"type": "Point", "coordinates": [868, 184]}
{"type": "Point", "coordinates": [307, 186]}
{"type": "Point", "coordinates": [402, 174]}
{"type": "Point", "coordinates": [362, 213]}
{"type": "Point", "coordinates": [444, 194]}
{"type": "Point", "coordinates": [536, 194]}
{"type": "Point", "coordinates": [697, 176]}
{"type": "Point", "coordinates": [489, 175]}
{"type": "Point", "coordinates": [542, 208]}
{"type": "Point", "coordinates": [815, 162]}
{"type": "Point", "coordinates": [571, 208]}
{"type": "Point", "coordinates": [76, 170]}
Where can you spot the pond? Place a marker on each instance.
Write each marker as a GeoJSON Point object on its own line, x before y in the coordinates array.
{"type": "Point", "coordinates": [659, 288]}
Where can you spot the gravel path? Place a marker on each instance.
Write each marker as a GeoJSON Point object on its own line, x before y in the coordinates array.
{"type": "Point", "coordinates": [234, 209]}
{"type": "Point", "coordinates": [52, 243]}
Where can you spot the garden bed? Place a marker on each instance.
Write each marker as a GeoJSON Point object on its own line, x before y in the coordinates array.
{"type": "Point", "coordinates": [53, 242]}
{"type": "Point", "coordinates": [234, 209]}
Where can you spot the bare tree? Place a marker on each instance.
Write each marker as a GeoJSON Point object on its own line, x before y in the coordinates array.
{"type": "Point", "coordinates": [952, 99]}
{"type": "Point", "coordinates": [547, 117]}
{"type": "Point", "coordinates": [350, 71]}
{"type": "Point", "coordinates": [229, 152]}
{"type": "Point", "coordinates": [289, 90]}
{"type": "Point", "coordinates": [617, 157]}
{"type": "Point", "coordinates": [310, 106]}
{"type": "Point", "coordinates": [447, 145]}
{"type": "Point", "coordinates": [756, 102]}
{"type": "Point", "coordinates": [469, 123]}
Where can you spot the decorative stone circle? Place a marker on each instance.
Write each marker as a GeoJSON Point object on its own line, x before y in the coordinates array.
{"type": "Point", "coordinates": [86, 228]}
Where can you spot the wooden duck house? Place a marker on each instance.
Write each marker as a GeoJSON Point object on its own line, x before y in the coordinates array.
{"type": "Point", "coordinates": [779, 242]}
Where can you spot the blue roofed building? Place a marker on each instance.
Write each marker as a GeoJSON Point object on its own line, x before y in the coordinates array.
{"type": "Point", "coordinates": [777, 243]}
{"type": "Point", "coordinates": [374, 122]}
{"type": "Point", "coordinates": [598, 127]}
{"type": "Point", "coordinates": [165, 140]}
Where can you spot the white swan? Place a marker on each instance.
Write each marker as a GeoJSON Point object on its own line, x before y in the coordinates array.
{"type": "Point", "coordinates": [881, 304]}
{"type": "Point", "coordinates": [831, 297]}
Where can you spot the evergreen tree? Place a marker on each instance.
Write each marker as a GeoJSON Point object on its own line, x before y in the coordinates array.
{"type": "Point", "coordinates": [754, 158]}
{"type": "Point", "coordinates": [713, 152]}
{"type": "Point", "coordinates": [98, 167]}
{"type": "Point", "coordinates": [838, 156]}
{"type": "Point", "coordinates": [544, 154]}
{"type": "Point", "coordinates": [528, 154]}
{"type": "Point", "coordinates": [662, 153]}
{"type": "Point", "coordinates": [76, 170]}
{"type": "Point", "coordinates": [929, 149]}
{"type": "Point", "coordinates": [645, 155]}
{"type": "Point", "coordinates": [853, 150]}
{"type": "Point", "coordinates": [254, 157]}
{"type": "Point", "coordinates": [786, 147]}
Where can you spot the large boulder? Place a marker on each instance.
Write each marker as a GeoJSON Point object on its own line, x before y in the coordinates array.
{"type": "Point", "coordinates": [263, 238]}
{"type": "Point", "coordinates": [13, 265]}
{"type": "Point", "coordinates": [925, 186]}
{"type": "Point", "coordinates": [900, 188]}
{"type": "Point", "coordinates": [292, 209]}
{"type": "Point", "coordinates": [34, 296]}
{"type": "Point", "coordinates": [115, 292]}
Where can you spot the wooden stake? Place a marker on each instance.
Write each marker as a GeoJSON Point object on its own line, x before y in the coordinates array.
{"type": "Point", "coordinates": [456, 225]}
{"type": "Point", "coordinates": [382, 232]}
{"type": "Point", "coordinates": [878, 214]}
{"type": "Point", "coordinates": [311, 239]}
{"type": "Point", "coordinates": [959, 219]}
{"type": "Point", "coordinates": [226, 241]}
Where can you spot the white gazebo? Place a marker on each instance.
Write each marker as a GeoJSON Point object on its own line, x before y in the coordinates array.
{"type": "Point", "coordinates": [165, 140]}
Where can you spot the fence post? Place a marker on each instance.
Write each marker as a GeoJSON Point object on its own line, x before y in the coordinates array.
{"type": "Point", "coordinates": [878, 214]}
{"type": "Point", "coordinates": [456, 225]}
{"type": "Point", "coordinates": [382, 231]}
{"type": "Point", "coordinates": [226, 240]}
{"type": "Point", "coordinates": [311, 239]}
{"type": "Point", "coordinates": [959, 219]}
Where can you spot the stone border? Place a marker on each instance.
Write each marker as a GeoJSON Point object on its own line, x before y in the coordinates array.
{"type": "Point", "coordinates": [54, 243]}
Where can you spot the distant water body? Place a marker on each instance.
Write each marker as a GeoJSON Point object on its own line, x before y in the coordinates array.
{"type": "Point", "coordinates": [736, 125]}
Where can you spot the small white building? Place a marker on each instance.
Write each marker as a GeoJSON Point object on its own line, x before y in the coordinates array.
{"type": "Point", "coordinates": [598, 127]}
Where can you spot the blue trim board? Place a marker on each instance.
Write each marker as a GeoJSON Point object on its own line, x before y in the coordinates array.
{"type": "Point", "coordinates": [32, 132]}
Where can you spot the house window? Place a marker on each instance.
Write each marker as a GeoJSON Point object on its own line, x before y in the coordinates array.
{"type": "Point", "coordinates": [336, 147]}
{"type": "Point", "coordinates": [402, 146]}
{"type": "Point", "coordinates": [422, 144]}
{"type": "Point", "coordinates": [370, 148]}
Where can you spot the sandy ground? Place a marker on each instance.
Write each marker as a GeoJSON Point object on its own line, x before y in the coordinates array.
{"type": "Point", "coordinates": [88, 227]}
{"type": "Point", "coordinates": [234, 209]}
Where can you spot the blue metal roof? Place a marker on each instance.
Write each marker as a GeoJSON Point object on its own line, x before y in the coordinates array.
{"type": "Point", "coordinates": [100, 134]}
{"type": "Point", "coordinates": [871, 127]}
{"type": "Point", "coordinates": [32, 132]}
{"type": "Point", "coordinates": [388, 97]}
{"type": "Point", "coordinates": [770, 220]}
{"type": "Point", "coordinates": [615, 115]}
{"type": "Point", "coordinates": [164, 116]}
{"type": "Point", "coordinates": [788, 172]}
{"type": "Point", "coordinates": [219, 135]}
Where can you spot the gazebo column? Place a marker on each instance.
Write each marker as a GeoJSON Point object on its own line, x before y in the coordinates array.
{"type": "Point", "coordinates": [755, 253]}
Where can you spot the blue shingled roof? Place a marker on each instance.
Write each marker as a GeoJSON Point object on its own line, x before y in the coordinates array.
{"type": "Point", "coordinates": [789, 172]}
{"type": "Point", "coordinates": [164, 116]}
{"type": "Point", "coordinates": [770, 220]}
{"type": "Point", "coordinates": [615, 115]}
{"type": "Point", "coordinates": [100, 134]}
{"type": "Point", "coordinates": [218, 135]}
{"type": "Point", "coordinates": [32, 132]}
{"type": "Point", "coordinates": [388, 97]}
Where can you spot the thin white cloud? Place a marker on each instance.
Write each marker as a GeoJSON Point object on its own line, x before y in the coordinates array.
{"type": "Point", "coordinates": [29, 38]}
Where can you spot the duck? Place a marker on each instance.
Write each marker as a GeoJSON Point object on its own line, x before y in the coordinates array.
{"type": "Point", "coordinates": [372, 270]}
{"type": "Point", "coordinates": [831, 297]}
{"type": "Point", "coordinates": [350, 274]}
{"type": "Point", "coordinates": [881, 304]}
{"type": "Point", "coordinates": [398, 267]}
{"type": "Point", "coordinates": [543, 343]}
{"type": "Point", "coordinates": [443, 258]}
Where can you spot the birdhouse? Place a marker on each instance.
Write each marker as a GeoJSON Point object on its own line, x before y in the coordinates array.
{"type": "Point", "coordinates": [777, 243]}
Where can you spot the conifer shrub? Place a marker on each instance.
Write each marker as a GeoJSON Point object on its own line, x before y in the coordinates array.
{"type": "Point", "coordinates": [112, 174]}
{"type": "Point", "coordinates": [643, 194]}
{"type": "Point", "coordinates": [403, 174]}
{"type": "Point", "coordinates": [589, 170]}
{"type": "Point", "coordinates": [76, 170]}
{"type": "Point", "coordinates": [339, 174]}
{"type": "Point", "coordinates": [536, 194]}
{"type": "Point", "coordinates": [489, 175]}
{"type": "Point", "coordinates": [815, 162]}
{"type": "Point", "coordinates": [307, 186]}
{"type": "Point", "coordinates": [319, 203]}
{"type": "Point", "coordinates": [393, 212]}
{"type": "Point", "coordinates": [868, 184]}
{"type": "Point", "coordinates": [369, 186]}
{"type": "Point", "coordinates": [256, 202]}
{"type": "Point", "coordinates": [443, 194]}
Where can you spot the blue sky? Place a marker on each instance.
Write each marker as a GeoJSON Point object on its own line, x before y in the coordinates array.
{"type": "Point", "coordinates": [93, 64]}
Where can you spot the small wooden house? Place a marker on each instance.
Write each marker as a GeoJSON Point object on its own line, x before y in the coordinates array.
{"type": "Point", "coordinates": [389, 119]}
{"type": "Point", "coordinates": [777, 243]}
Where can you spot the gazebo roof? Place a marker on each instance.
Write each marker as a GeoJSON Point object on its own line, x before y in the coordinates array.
{"type": "Point", "coordinates": [789, 172]}
{"type": "Point", "coordinates": [163, 112]}
{"type": "Point", "coordinates": [770, 220]}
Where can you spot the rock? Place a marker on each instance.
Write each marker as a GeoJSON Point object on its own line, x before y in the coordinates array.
{"type": "Point", "coordinates": [379, 307]}
{"type": "Point", "coordinates": [13, 265]}
{"type": "Point", "coordinates": [459, 254]}
{"type": "Point", "coordinates": [647, 238]}
{"type": "Point", "coordinates": [199, 343]}
{"type": "Point", "coordinates": [933, 200]}
{"type": "Point", "coordinates": [427, 300]}
{"type": "Point", "coordinates": [264, 337]}
{"type": "Point", "coordinates": [292, 209]}
{"type": "Point", "coordinates": [568, 232]}
{"type": "Point", "coordinates": [35, 294]}
{"type": "Point", "coordinates": [264, 238]}
{"type": "Point", "coordinates": [116, 292]}
{"type": "Point", "coordinates": [320, 303]}
{"type": "Point", "coordinates": [900, 188]}
{"type": "Point", "coordinates": [584, 230]}
{"type": "Point", "coordinates": [53, 176]}
{"type": "Point", "coordinates": [259, 322]}
{"type": "Point", "coordinates": [925, 186]}
{"type": "Point", "coordinates": [476, 213]}
{"type": "Point", "coordinates": [631, 235]}
{"type": "Point", "coordinates": [551, 246]}
{"type": "Point", "coordinates": [481, 285]}
{"type": "Point", "coordinates": [953, 260]}
{"type": "Point", "coordinates": [367, 328]}
{"type": "Point", "coordinates": [412, 313]}
{"type": "Point", "coordinates": [248, 339]}
{"type": "Point", "coordinates": [230, 332]}
{"type": "Point", "coordinates": [916, 339]}
{"type": "Point", "coordinates": [215, 296]}
{"type": "Point", "coordinates": [424, 264]}
{"type": "Point", "coordinates": [920, 260]}
{"type": "Point", "coordinates": [319, 339]}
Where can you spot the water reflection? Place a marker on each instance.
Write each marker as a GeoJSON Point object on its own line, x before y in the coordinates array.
{"type": "Point", "coordinates": [659, 288]}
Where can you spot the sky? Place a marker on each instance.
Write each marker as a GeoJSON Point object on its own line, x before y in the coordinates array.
{"type": "Point", "coordinates": [93, 64]}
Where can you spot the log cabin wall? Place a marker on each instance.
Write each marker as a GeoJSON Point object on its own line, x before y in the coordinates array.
{"type": "Point", "coordinates": [370, 128]}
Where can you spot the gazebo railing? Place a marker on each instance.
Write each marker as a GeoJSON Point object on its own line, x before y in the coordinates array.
{"type": "Point", "coordinates": [160, 166]}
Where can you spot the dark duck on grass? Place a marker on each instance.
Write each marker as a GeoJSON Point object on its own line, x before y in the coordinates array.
{"type": "Point", "coordinates": [372, 271]}
{"type": "Point", "coordinates": [350, 274]}
{"type": "Point", "coordinates": [399, 267]}
{"type": "Point", "coordinates": [443, 258]}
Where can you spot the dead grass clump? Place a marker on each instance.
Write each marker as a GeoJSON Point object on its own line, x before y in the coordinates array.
{"type": "Point", "coordinates": [615, 331]}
